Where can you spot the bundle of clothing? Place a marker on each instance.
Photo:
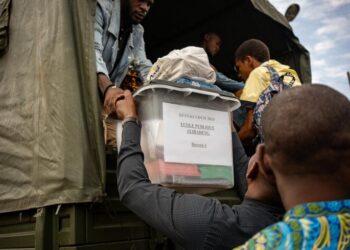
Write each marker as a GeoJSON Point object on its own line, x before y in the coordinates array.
{"type": "Point", "coordinates": [188, 66]}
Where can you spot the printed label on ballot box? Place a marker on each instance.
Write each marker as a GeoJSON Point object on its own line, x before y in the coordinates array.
{"type": "Point", "coordinates": [196, 135]}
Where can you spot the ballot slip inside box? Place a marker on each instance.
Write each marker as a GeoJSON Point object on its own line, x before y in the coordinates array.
{"type": "Point", "coordinates": [186, 136]}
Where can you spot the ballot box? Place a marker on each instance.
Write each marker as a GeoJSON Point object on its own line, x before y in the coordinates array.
{"type": "Point", "coordinates": [186, 136]}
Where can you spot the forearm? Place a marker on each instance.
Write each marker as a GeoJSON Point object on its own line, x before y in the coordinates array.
{"type": "Point", "coordinates": [228, 84]}
{"type": "Point", "coordinates": [130, 168]}
{"type": "Point", "coordinates": [110, 93]}
{"type": "Point", "coordinates": [247, 133]}
{"type": "Point", "coordinates": [240, 160]}
{"type": "Point", "coordinates": [103, 82]}
{"type": "Point", "coordinates": [98, 45]}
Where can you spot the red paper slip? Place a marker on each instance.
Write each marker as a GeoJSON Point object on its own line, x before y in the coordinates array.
{"type": "Point", "coordinates": [169, 169]}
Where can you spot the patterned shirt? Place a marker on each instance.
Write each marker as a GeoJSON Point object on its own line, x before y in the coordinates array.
{"type": "Point", "coordinates": [319, 225]}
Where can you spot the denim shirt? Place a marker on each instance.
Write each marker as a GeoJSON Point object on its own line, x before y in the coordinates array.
{"type": "Point", "coordinates": [107, 28]}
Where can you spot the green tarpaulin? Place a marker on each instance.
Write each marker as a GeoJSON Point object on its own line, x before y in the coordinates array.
{"type": "Point", "coordinates": [51, 145]}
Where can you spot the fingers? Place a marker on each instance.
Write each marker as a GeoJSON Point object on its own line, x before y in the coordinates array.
{"type": "Point", "coordinates": [122, 97]}
{"type": "Point", "coordinates": [120, 102]}
{"type": "Point", "coordinates": [126, 95]}
{"type": "Point", "coordinates": [111, 97]}
{"type": "Point", "coordinates": [125, 106]}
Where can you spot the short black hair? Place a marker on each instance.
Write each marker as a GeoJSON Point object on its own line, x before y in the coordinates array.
{"type": "Point", "coordinates": [254, 48]}
{"type": "Point", "coordinates": [308, 126]}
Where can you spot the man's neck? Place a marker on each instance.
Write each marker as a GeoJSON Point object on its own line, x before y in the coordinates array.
{"type": "Point", "coordinates": [261, 193]}
{"type": "Point", "coordinates": [296, 189]}
{"type": "Point", "coordinates": [125, 24]}
{"type": "Point", "coordinates": [256, 63]}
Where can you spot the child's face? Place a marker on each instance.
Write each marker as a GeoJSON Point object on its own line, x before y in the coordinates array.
{"type": "Point", "coordinates": [243, 68]}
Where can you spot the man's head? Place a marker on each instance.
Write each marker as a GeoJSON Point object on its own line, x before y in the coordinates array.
{"type": "Point", "coordinates": [138, 9]}
{"type": "Point", "coordinates": [307, 137]}
{"type": "Point", "coordinates": [211, 43]}
{"type": "Point", "coordinates": [249, 55]}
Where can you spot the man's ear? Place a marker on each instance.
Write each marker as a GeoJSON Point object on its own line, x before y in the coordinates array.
{"type": "Point", "coordinates": [253, 168]}
{"type": "Point", "coordinates": [248, 60]}
{"type": "Point", "coordinates": [264, 162]}
{"type": "Point", "coordinates": [252, 62]}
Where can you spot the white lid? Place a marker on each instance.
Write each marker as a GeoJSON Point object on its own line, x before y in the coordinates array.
{"type": "Point", "coordinates": [188, 90]}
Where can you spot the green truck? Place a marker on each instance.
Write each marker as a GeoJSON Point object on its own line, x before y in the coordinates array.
{"type": "Point", "coordinates": [57, 179]}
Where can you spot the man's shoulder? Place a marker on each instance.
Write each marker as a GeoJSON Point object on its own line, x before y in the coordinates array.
{"type": "Point", "coordinates": [283, 69]}
{"type": "Point", "coordinates": [257, 81]}
{"type": "Point", "coordinates": [259, 74]}
{"type": "Point", "coordinates": [251, 208]}
{"type": "Point", "coordinates": [275, 236]}
{"type": "Point", "coordinates": [260, 70]}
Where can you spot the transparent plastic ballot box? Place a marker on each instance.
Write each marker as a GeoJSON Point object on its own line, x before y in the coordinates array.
{"type": "Point", "coordinates": [186, 136]}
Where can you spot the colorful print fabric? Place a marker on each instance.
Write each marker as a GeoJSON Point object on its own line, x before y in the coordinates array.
{"type": "Point", "coordinates": [321, 225]}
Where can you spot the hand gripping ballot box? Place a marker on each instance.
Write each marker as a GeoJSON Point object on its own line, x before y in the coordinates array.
{"type": "Point", "coordinates": [186, 136]}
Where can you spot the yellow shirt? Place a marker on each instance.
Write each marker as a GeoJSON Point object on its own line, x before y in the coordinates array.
{"type": "Point", "coordinates": [259, 79]}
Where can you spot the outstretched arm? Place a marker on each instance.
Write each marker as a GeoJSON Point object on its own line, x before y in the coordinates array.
{"type": "Point", "coordinates": [240, 164]}
{"type": "Point", "coordinates": [182, 217]}
{"type": "Point", "coordinates": [247, 133]}
{"type": "Point", "coordinates": [228, 84]}
{"type": "Point", "coordinates": [103, 82]}
{"type": "Point", "coordinates": [187, 219]}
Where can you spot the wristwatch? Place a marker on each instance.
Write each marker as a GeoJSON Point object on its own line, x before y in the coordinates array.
{"type": "Point", "coordinates": [131, 119]}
